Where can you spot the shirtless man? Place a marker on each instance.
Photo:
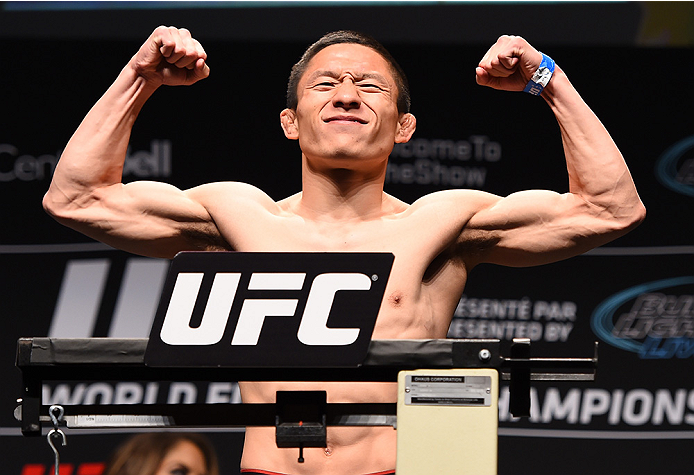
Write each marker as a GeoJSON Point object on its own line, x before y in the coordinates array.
{"type": "Point", "coordinates": [348, 114]}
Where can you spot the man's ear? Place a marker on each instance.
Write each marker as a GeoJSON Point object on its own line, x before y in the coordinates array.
{"type": "Point", "coordinates": [406, 127]}
{"type": "Point", "coordinates": [289, 125]}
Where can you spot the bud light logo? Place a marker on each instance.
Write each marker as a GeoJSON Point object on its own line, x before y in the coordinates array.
{"type": "Point", "coordinates": [675, 168]}
{"type": "Point", "coordinates": [654, 319]}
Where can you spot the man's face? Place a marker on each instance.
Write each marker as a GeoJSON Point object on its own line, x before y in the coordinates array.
{"type": "Point", "coordinates": [347, 106]}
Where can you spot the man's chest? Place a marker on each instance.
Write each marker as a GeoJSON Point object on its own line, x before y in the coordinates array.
{"type": "Point", "coordinates": [423, 288]}
{"type": "Point", "coordinates": [271, 233]}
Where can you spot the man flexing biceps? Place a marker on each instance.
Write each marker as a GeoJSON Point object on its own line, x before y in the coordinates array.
{"type": "Point", "coordinates": [347, 105]}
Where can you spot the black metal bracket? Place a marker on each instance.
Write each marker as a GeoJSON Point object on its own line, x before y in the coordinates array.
{"type": "Point", "coordinates": [520, 368]}
{"type": "Point", "coordinates": [300, 420]}
{"type": "Point", "coordinates": [519, 386]}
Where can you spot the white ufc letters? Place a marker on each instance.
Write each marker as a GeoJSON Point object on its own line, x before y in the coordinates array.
{"type": "Point", "coordinates": [254, 311]}
{"type": "Point", "coordinates": [313, 329]}
{"type": "Point", "coordinates": [176, 329]}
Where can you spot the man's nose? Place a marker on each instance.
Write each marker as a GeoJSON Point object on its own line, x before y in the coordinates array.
{"type": "Point", "coordinates": [347, 95]}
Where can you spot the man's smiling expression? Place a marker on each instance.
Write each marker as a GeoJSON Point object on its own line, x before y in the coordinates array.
{"type": "Point", "coordinates": [347, 105]}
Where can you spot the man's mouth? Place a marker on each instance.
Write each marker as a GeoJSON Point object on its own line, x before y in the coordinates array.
{"type": "Point", "coordinates": [345, 119]}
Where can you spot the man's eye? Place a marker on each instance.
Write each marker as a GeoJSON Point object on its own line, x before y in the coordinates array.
{"type": "Point", "coordinates": [180, 471]}
{"type": "Point", "coordinates": [371, 86]}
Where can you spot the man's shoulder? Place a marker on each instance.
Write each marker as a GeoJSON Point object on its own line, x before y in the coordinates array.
{"type": "Point", "coordinates": [459, 199]}
{"type": "Point", "coordinates": [228, 190]}
{"type": "Point", "coordinates": [446, 211]}
{"type": "Point", "coordinates": [232, 194]}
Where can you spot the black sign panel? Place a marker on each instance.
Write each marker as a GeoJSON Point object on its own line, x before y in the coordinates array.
{"type": "Point", "coordinates": [268, 309]}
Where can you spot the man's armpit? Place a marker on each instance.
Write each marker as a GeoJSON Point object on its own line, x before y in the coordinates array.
{"type": "Point", "coordinates": [205, 238]}
{"type": "Point", "coordinates": [472, 245]}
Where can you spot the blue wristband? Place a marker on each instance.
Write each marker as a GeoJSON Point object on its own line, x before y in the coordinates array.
{"type": "Point", "coordinates": [541, 77]}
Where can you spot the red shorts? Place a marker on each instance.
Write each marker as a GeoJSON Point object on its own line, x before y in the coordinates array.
{"type": "Point", "coordinates": [249, 471]}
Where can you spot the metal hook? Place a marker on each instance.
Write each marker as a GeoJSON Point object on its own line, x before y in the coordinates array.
{"type": "Point", "coordinates": [52, 433]}
{"type": "Point", "coordinates": [55, 419]}
{"type": "Point", "coordinates": [56, 413]}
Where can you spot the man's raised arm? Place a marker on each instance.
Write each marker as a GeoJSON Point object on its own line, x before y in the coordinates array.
{"type": "Point", "coordinates": [86, 192]}
{"type": "Point", "coordinates": [535, 227]}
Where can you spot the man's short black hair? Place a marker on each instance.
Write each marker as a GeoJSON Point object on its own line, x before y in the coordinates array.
{"type": "Point", "coordinates": [346, 36]}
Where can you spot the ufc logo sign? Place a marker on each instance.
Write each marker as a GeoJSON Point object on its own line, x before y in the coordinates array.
{"type": "Point", "coordinates": [313, 329]}
{"type": "Point", "coordinates": [268, 309]}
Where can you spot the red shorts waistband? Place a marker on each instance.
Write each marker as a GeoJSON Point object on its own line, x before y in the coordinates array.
{"type": "Point", "coordinates": [250, 471]}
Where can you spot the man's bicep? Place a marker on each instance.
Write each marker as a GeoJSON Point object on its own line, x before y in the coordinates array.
{"type": "Point", "coordinates": [533, 227]}
{"type": "Point", "coordinates": [148, 218]}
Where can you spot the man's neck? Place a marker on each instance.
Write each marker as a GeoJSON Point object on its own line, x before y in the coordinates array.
{"type": "Point", "coordinates": [342, 194]}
